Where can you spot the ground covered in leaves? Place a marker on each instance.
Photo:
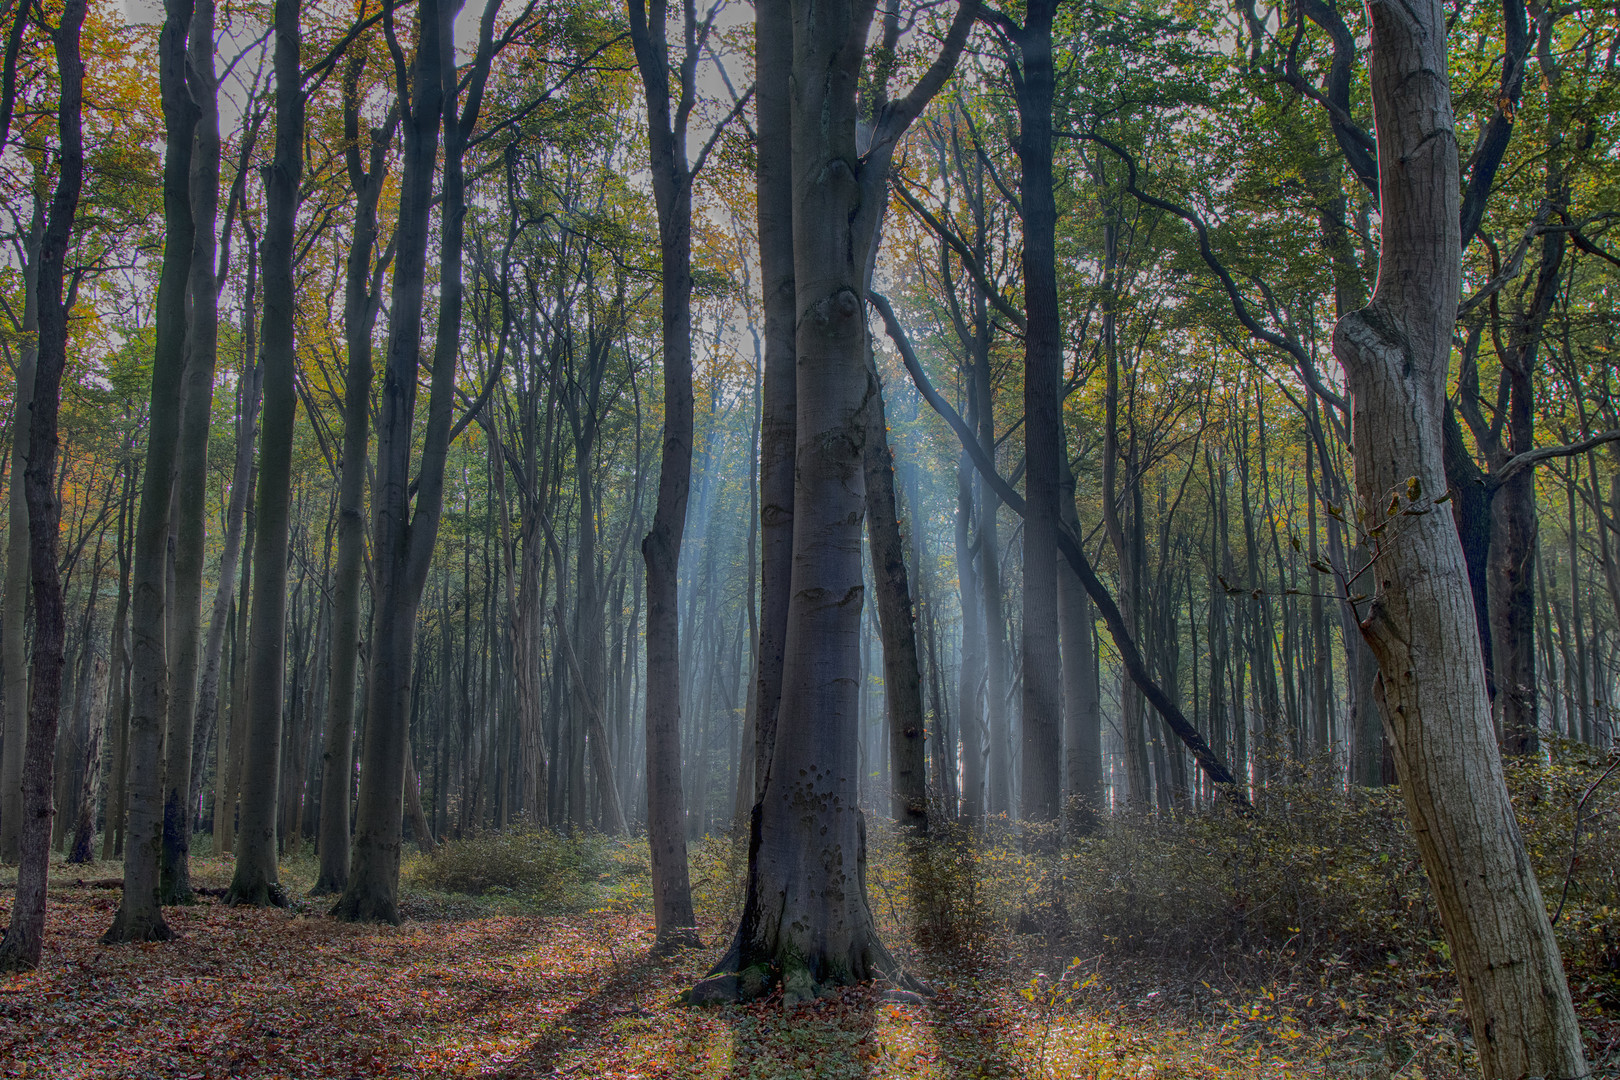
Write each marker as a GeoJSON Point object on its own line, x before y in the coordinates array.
{"type": "Point", "coordinates": [1297, 940]}
{"type": "Point", "coordinates": [271, 993]}
{"type": "Point", "coordinates": [487, 989]}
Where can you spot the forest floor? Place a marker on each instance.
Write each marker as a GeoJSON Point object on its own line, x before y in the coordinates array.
{"type": "Point", "coordinates": [477, 989]}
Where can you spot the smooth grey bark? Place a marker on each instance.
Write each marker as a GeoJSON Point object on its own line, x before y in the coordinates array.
{"type": "Point", "coordinates": [211, 683]}
{"type": "Point", "coordinates": [672, 177]}
{"type": "Point", "coordinates": [256, 880]}
{"type": "Point", "coordinates": [362, 296]}
{"type": "Point", "coordinates": [374, 861]}
{"type": "Point", "coordinates": [806, 921]}
{"type": "Point", "coordinates": [92, 703]}
{"type": "Point", "coordinates": [1083, 789]}
{"type": "Point", "coordinates": [971, 671]}
{"type": "Point", "coordinates": [773, 181]}
{"type": "Point", "coordinates": [1030, 68]}
{"type": "Point", "coordinates": [247, 404]}
{"type": "Point", "coordinates": [228, 774]}
{"type": "Point", "coordinates": [191, 496]}
{"type": "Point", "coordinates": [25, 936]}
{"type": "Point", "coordinates": [902, 676]}
{"type": "Point", "coordinates": [998, 664]}
{"type": "Point", "coordinates": [14, 612]}
{"type": "Point", "coordinates": [117, 723]}
{"type": "Point", "coordinates": [1420, 623]}
{"type": "Point", "coordinates": [402, 548]}
{"type": "Point", "coordinates": [139, 916]}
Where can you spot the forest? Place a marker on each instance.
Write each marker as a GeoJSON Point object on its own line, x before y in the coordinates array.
{"type": "Point", "coordinates": [810, 538]}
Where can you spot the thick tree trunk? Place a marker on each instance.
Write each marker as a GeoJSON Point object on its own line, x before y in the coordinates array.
{"type": "Point", "coordinates": [202, 346]}
{"type": "Point", "coordinates": [773, 50]}
{"type": "Point", "coordinates": [902, 677]}
{"type": "Point", "coordinates": [256, 880]}
{"type": "Point", "coordinates": [806, 921]}
{"type": "Point", "coordinates": [1420, 623]}
{"type": "Point", "coordinates": [25, 936]}
{"type": "Point", "coordinates": [1033, 86]}
{"type": "Point", "coordinates": [405, 536]}
{"type": "Point", "coordinates": [374, 864]}
{"type": "Point", "coordinates": [139, 917]}
{"type": "Point", "coordinates": [14, 612]}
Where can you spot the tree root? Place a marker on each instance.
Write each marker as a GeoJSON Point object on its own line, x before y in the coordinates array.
{"type": "Point", "coordinates": [798, 985]}
{"type": "Point", "coordinates": [363, 909]}
{"type": "Point", "coordinates": [129, 927]}
{"type": "Point", "coordinates": [260, 894]}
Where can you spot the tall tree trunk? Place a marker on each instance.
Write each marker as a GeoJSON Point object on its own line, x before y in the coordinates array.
{"type": "Point", "coordinates": [256, 880]}
{"type": "Point", "coordinates": [806, 920]}
{"type": "Point", "coordinates": [14, 613]}
{"type": "Point", "coordinates": [139, 917]}
{"type": "Point", "coordinates": [970, 673]}
{"type": "Point", "coordinates": [1033, 82]}
{"type": "Point", "coordinates": [112, 837]}
{"type": "Point", "coordinates": [661, 549]}
{"type": "Point", "coordinates": [202, 347]}
{"type": "Point", "coordinates": [1082, 696]}
{"type": "Point", "coordinates": [1421, 625]}
{"type": "Point", "coordinates": [902, 677]}
{"type": "Point", "coordinates": [405, 536]}
{"type": "Point", "coordinates": [361, 294]}
{"type": "Point", "coordinates": [93, 697]}
{"type": "Point", "coordinates": [25, 936]}
{"type": "Point", "coordinates": [773, 177]}
{"type": "Point", "coordinates": [374, 862]}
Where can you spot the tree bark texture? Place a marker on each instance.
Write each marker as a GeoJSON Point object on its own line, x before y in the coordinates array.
{"type": "Point", "coordinates": [14, 612]}
{"type": "Point", "coordinates": [256, 880]}
{"type": "Point", "coordinates": [191, 496]}
{"type": "Point", "coordinates": [25, 936]}
{"type": "Point", "coordinates": [806, 921]}
{"type": "Point", "coordinates": [139, 917]}
{"type": "Point", "coordinates": [902, 678]}
{"type": "Point", "coordinates": [661, 549]}
{"type": "Point", "coordinates": [361, 294]}
{"type": "Point", "coordinates": [1033, 82]}
{"type": "Point", "coordinates": [403, 538]}
{"type": "Point", "coordinates": [773, 175]}
{"type": "Point", "coordinates": [1421, 623]}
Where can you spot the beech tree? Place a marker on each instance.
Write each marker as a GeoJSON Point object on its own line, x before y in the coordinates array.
{"type": "Point", "coordinates": [139, 916]}
{"type": "Point", "coordinates": [256, 877]}
{"type": "Point", "coordinates": [1420, 622]}
{"type": "Point", "coordinates": [25, 934]}
{"type": "Point", "coordinates": [806, 921]}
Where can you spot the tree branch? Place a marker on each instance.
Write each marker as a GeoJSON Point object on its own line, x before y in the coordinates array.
{"type": "Point", "coordinates": [1544, 453]}
{"type": "Point", "coordinates": [1207, 759]}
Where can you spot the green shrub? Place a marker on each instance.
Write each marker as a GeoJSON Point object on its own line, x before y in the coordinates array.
{"type": "Point", "coordinates": [540, 867]}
